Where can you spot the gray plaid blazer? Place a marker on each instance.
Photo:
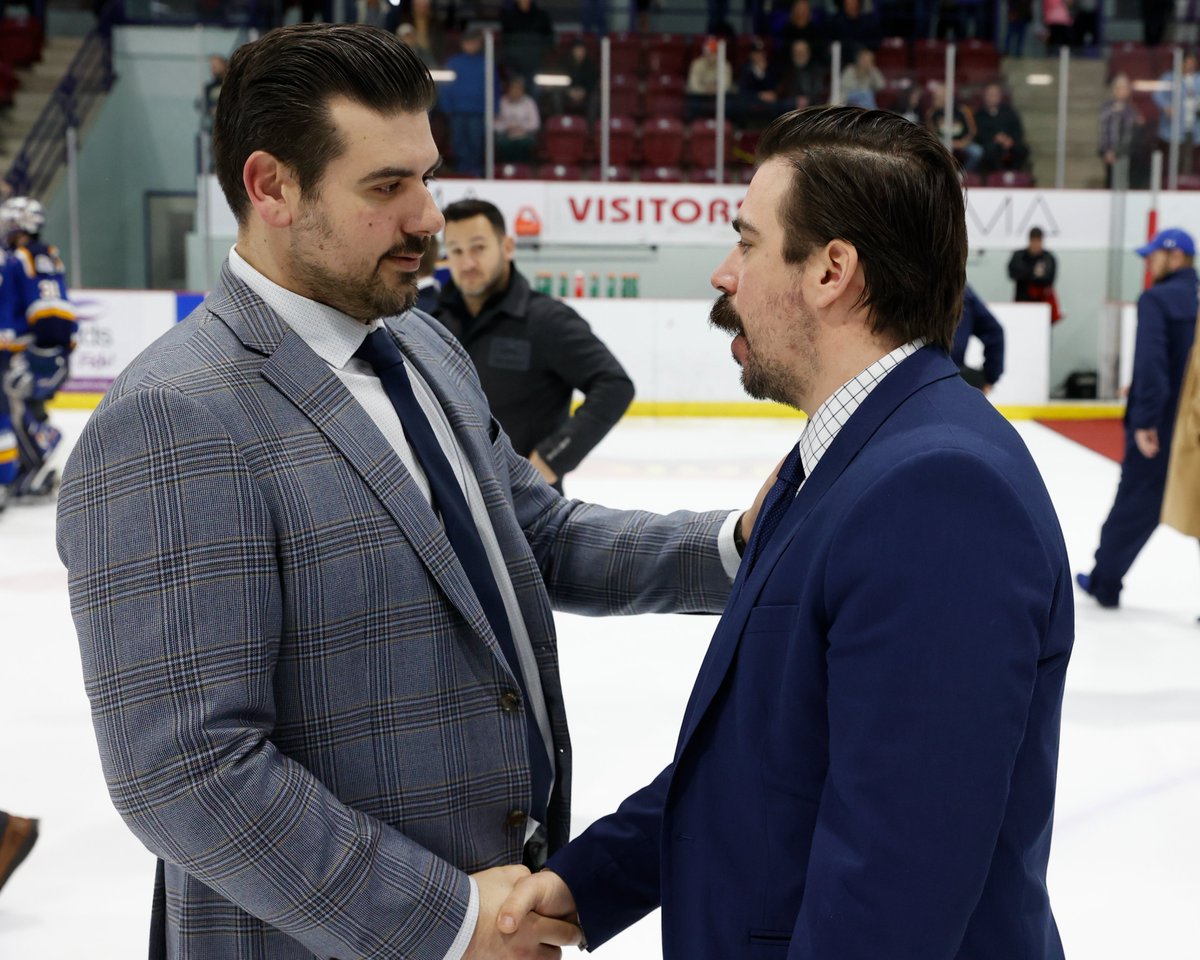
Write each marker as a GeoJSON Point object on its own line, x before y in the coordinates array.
{"type": "Point", "coordinates": [298, 700]}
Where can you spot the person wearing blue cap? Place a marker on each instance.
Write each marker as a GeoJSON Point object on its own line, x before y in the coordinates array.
{"type": "Point", "coordinates": [1165, 332]}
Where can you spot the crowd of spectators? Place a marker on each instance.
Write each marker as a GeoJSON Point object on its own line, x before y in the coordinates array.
{"type": "Point", "coordinates": [787, 64]}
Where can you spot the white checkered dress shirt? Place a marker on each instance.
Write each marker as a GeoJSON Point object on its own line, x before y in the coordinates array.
{"type": "Point", "coordinates": [832, 415]}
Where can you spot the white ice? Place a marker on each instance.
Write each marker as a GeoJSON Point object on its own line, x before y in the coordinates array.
{"type": "Point", "coordinates": [1125, 868]}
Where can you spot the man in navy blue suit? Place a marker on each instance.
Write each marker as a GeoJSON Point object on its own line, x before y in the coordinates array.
{"type": "Point", "coordinates": [866, 767]}
{"type": "Point", "coordinates": [1165, 330]}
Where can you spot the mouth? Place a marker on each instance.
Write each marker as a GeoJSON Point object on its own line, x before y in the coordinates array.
{"type": "Point", "coordinates": [404, 261]}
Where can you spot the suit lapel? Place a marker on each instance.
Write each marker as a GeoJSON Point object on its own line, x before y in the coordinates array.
{"type": "Point", "coordinates": [306, 380]}
{"type": "Point", "coordinates": [922, 368]}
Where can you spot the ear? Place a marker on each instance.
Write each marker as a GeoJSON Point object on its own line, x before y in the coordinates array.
{"type": "Point", "coordinates": [836, 276]}
{"type": "Point", "coordinates": [272, 188]}
{"type": "Point", "coordinates": [509, 247]}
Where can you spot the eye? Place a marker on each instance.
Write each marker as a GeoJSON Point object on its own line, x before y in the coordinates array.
{"type": "Point", "coordinates": [387, 189]}
{"type": "Point", "coordinates": [743, 246]}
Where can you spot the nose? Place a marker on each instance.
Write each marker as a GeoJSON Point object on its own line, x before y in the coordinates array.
{"type": "Point", "coordinates": [724, 277]}
{"type": "Point", "coordinates": [429, 220]}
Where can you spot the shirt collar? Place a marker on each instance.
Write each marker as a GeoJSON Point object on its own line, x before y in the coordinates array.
{"type": "Point", "coordinates": [332, 335]}
{"type": "Point", "coordinates": [832, 415]}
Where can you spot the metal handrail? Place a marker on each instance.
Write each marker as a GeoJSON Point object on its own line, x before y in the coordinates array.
{"type": "Point", "coordinates": [88, 77]}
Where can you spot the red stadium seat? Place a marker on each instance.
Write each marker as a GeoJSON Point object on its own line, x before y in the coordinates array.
{"type": "Point", "coordinates": [668, 53]}
{"type": "Point", "coordinates": [20, 40]}
{"type": "Point", "coordinates": [627, 54]}
{"type": "Point", "coordinates": [662, 175]}
{"type": "Point", "coordinates": [702, 143]}
{"type": "Point", "coordinates": [1188, 181]}
{"type": "Point", "coordinates": [977, 62]}
{"type": "Point", "coordinates": [972, 179]}
{"type": "Point", "coordinates": [1010, 178]}
{"type": "Point", "coordinates": [622, 141]}
{"type": "Point", "coordinates": [1137, 61]}
{"type": "Point", "coordinates": [514, 171]}
{"type": "Point", "coordinates": [626, 96]}
{"type": "Point", "coordinates": [564, 139]}
{"type": "Point", "coordinates": [616, 172]}
{"type": "Point", "coordinates": [662, 142]}
{"type": "Point", "coordinates": [560, 171]}
{"type": "Point", "coordinates": [664, 96]}
{"type": "Point", "coordinates": [929, 59]}
{"type": "Point", "coordinates": [892, 55]}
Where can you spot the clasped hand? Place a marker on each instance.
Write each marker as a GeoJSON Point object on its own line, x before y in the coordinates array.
{"type": "Point", "coordinates": [522, 916]}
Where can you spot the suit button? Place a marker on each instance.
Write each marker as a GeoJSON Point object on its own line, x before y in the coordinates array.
{"type": "Point", "coordinates": [510, 702]}
{"type": "Point", "coordinates": [516, 818]}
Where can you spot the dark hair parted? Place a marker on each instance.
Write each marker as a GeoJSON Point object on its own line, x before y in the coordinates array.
{"type": "Point", "coordinates": [467, 209]}
{"type": "Point", "coordinates": [889, 187]}
{"type": "Point", "coordinates": [276, 96]}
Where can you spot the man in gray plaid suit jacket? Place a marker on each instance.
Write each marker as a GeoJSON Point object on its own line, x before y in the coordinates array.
{"type": "Point", "coordinates": [300, 703]}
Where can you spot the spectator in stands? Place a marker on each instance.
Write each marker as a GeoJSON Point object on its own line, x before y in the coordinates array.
{"type": "Point", "coordinates": [1085, 30]}
{"type": "Point", "coordinates": [212, 91]}
{"type": "Point", "coordinates": [962, 128]}
{"type": "Point", "coordinates": [1020, 15]}
{"type": "Point", "coordinates": [758, 87]}
{"type": "Point", "coordinates": [1154, 20]}
{"type": "Point", "coordinates": [910, 104]}
{"type": "Point", "coordinates": [374, 13]}
{"type": "Point", "coordinates": [528, 34]}
{"type": "Point", "coordinates": [1189, 125]}
{"type": "Point", "coordinates": [1119, 121]}
{"type": "Point", "coordinates": [801, 25]}
{"type": "Point", "coordinates": [861, 79]}
{"type": "Point", "coordinates": [854, 28]}
{"type": "Point", "coordinates": [463, 100]}
{"type": "Point", "coordinates": [585, 77]}
{"type": "Point", "coordinates": [1000, 132]}
{"type": "Point", "coordinates": [1034, 270]}
{"type": "Point", "coordinates": [517, 123]}
{"type": "Point", "coordinates": [1056, 16]}
{"type": "Point", "coordinates": [427, 38]}
{"type": "Point", "coordinates": [804, 81]}
{"type": "Point", "coordinates": [702, 74]}
{"type": "Point", "coordinates": [979, 322]}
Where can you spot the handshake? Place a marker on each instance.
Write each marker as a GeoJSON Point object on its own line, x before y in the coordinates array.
{"type": "Point", "coordinates": [522, 916]}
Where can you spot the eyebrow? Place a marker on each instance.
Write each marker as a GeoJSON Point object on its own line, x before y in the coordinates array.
{"type": "Point", "coordinates": [399, 173]}
{"type": "Point", "coordinates": [742, 226]}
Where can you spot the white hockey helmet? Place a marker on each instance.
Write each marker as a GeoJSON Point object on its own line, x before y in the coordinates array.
{"type": "Point", "coordinates": [22, 214]}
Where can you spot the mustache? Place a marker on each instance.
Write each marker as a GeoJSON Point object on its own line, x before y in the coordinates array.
{"type": "Point", "coordinates": [723, 316]}
{"type": "Point", "coordinates": [411, 247]}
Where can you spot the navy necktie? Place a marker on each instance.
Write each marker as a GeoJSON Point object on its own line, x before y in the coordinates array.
{"type": "Point", "coordinates": [779, 498]}
{"type": "Point", "coordinates": [381, 352]}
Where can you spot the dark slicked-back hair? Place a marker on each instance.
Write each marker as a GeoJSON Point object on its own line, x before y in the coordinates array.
{"type": "Point", "coordinates": [890, 188]}
{"type": "Point", "coordinates": [467, 209]}
{"type": "Point", "coordinates": [276, 95]}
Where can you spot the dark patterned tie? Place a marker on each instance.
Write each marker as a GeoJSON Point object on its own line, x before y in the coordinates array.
{"type": "Point", "coordinates": [381, 352]}
{"type": "Point", "coordinates": [780, 497]}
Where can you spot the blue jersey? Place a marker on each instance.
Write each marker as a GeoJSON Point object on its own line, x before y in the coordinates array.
{"type": "Point", "coordinates": [34, 299]}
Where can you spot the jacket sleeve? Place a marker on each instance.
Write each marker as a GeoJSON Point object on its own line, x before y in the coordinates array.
{"type": "Point", "coordinates": [1150, 389]}
{"type": "Point", "coordinates": [579, 358]}
{"type": "Point", "coordinates": [613, 869]}
{"type": "Point", "coordinates": [1052, 269]}
{"type": "Point", "coordinates": [1017, 268]}
{"type": "Point", "coordinates": [171, 556]}
{"type": "Point", "coordinates": [931, 675]}
{"type": "Point", "coordinates": [991, 335]}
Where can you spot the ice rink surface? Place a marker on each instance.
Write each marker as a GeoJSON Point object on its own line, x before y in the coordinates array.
{"type": "Point", "coordinates": [1125, 868]}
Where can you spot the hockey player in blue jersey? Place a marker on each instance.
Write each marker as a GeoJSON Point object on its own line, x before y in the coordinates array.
{"type": "Point", "coordinates": [37, 334]}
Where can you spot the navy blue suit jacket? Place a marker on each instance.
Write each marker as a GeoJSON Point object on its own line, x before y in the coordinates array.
{"type": "Point", "coordinates": [867, 764]}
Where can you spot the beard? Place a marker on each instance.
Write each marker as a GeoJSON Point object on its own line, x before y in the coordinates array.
{"type": "Point", "coordinates": [364, 296]}
{"type": "Point", "coordinates": [763, 376]}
